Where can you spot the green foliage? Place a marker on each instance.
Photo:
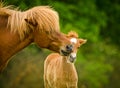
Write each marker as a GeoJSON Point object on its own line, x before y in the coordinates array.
{"type": "Point", "coordinates": [83, 18]}
{"type": "Point", "coordinates": [97, 61]}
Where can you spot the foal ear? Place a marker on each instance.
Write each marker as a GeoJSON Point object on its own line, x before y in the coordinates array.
{"type": "Point", "coordinates": [82, 41]}
{"type": "Point", "coordinates": [31, 22]}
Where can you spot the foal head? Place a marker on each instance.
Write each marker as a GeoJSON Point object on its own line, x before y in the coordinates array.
{"type": "Point", "coordinates": [77, 42]}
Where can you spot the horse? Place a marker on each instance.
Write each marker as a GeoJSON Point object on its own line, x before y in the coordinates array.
{"type": "Point", "coordinates": [39, 25]}
{"type": "Point", "coordinates": [60, 71]}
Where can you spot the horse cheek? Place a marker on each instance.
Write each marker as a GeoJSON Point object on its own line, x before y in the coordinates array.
{"type": "Point", "coordinates": [54, 46]}
{"type": "Point", "coordinates": [41, 40]}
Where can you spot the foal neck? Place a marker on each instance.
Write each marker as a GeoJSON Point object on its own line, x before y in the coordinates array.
{"type": "Point", "coordinates": [65, 63]}
{"type": "Point", "coordinates": [68, 69]}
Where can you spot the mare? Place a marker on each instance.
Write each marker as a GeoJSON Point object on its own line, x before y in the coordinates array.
{"type": "Point", "coordinates": [59, 71]}
{"type": "Point", "coordinates": [39, 25]}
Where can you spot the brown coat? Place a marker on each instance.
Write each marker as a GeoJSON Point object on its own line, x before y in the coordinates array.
{"type": "Point", "coordinates": [58, 73]}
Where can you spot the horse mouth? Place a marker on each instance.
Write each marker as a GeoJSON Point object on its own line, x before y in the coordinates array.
{"type": "Point", "coordinates": [65, 53]}
{"type": "Point", "coordinates": [71, 60]}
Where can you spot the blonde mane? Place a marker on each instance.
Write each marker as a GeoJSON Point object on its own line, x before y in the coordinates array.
{"type": "Point", "coordinates": [46, 18]}
{"type": "Point", "coordinates": [72, 34]}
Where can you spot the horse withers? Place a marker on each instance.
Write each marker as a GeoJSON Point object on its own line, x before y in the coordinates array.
{"type": "Point", "coordinates": [59, 71]}
{"type": "Point", "coordinates": [39, 24]}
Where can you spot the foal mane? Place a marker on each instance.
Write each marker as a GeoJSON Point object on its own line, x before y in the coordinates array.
{"type": "Point", "coordinates": [72, 34]}
{"type": "Point", "coordinates": [46, 18]}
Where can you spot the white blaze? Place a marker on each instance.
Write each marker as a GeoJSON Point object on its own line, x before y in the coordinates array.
{"type": "Point", "coordinates": [73, 40]}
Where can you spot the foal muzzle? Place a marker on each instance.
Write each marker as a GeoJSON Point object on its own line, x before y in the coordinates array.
{"type": "Point", "coordinates": [72, 57]}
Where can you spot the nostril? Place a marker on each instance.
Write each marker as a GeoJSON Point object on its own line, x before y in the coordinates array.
{"type": "Point", "coordinates": [72, 57]}
{"type": "Point", "coordinates": [69, 47]}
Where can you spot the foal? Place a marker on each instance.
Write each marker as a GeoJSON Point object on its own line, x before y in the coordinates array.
{"type": "Point", "coordinates": [59, 71]}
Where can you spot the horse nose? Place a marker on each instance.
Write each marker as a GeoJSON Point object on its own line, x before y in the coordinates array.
{"type": "Point", "coordinates": [69, 48]}
{"type": "Point", "coordinates": [72, 57]}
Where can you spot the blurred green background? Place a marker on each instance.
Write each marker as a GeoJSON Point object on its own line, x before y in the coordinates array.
{"type": "Point", "coordinates": [98, 61]}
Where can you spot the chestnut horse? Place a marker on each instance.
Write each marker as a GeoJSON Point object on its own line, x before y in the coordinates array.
{"type": "Point", "coordinates": [59, 71]}
{"type": "Point", "coordinates": [39, 24]}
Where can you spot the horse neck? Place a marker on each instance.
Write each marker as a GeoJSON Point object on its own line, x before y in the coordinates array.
{"type": "Point", "coordinates": [22, 44]}
{"type": "Point", "coordinates": [18, 46]}
{"type": "Point", "coordinates": [10, 44]}
{"type": "Point", "coordinates": [65, 65]}
{"type": "Point", "coordinates": [68, 70]}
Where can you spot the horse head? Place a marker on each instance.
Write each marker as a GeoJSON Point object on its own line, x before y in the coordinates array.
{"type": "Point", "coordinates": [77, 42]}
{"type": "Point", "coordinates": [44, 22]}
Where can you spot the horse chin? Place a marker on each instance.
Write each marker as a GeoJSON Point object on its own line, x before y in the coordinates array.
{"type": "Point", "coordinates": [71, 59]}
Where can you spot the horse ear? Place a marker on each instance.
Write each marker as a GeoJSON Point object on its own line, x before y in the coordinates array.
{"type": "Point", "coordinates": [82, 41]}
{"type": "Point", "coordinates": [31, 22]}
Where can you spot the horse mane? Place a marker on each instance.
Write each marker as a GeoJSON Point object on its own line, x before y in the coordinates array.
{"type": "Point", "coordinates": [72, 34]}
{"type": "Point", "coordinates": [47, 19]}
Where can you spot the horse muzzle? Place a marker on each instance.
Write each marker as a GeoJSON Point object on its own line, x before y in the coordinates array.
{"type": "Point", "coordinates": [68, 49]}
{"type": "Point", "coordinates": [72, 57]}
